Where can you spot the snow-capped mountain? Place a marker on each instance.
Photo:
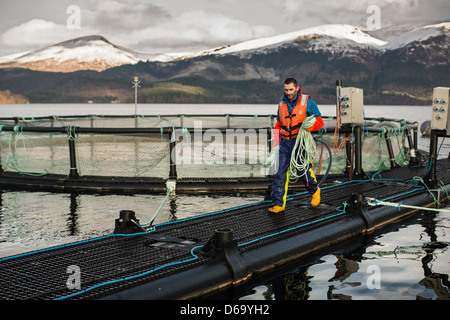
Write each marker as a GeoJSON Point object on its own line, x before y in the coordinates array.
{"type": "Point", "coordinates": [97, 53]}
{"type": "Point", "coordinates": [395, 65]}
{"type": "Point", "coordinates": [85, 53]}
{"type": "Point", "coordinates": [341, 38]}
{"type": "Point", "coordinates": [326, 36]}
{"type": "Point", "coordinates": [418, 35]}
{"type": "Point", "coordinates": [428, 45]}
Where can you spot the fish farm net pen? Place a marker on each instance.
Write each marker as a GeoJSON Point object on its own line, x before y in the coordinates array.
{"type": "Point", "coordinates": [181, 146]}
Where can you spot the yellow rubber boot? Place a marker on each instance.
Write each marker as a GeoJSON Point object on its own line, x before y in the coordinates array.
{"type": "Point", "coordinates": [315, 198]}
{"type": "Point", "coordinates": [276, 209]}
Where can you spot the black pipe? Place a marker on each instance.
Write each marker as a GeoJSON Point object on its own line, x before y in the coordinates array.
{"type": "Point", "coordinates": [390, 150]}
{"type": "Point", "coordinates": [72, 153]}
{"type": "Point", "coordinates": [172, 156]}
{"type": "Point", "coordinates": [430, 178]}
{"type": "Point", "coordinates": [209, 277]}
{"type": "Point", "coordinates": [348, 154]}
{"type": "Point", "coordinates": [163, 130]}
{"type": "Point", "coordinates": [16, 120]}
{"type": "Point", "coordinates": [415, 138]}
{"type": "Point", "coordinates": [412, 148]}
{"type": "Point", "coordinates": [358, 172]}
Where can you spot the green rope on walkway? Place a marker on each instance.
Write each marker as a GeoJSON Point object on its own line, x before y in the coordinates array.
{"type": "Point", "coordinates": [419, 179]}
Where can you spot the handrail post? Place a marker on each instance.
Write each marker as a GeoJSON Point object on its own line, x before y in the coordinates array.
{"type": "Point", "coordinates": [358, 172]}
{"type": "Point", "coordinates": [172, 155]}
{"type": "Point", "coordinates": [348, 153]}
{"type": "Point", "coordinates": [387, 137]}
{"type": "Point", "coordinates": [412, 148]}
{"type": "Point", "coordinates": [72, 152]}
{"type": "Point", "coordinates": [430, 177]}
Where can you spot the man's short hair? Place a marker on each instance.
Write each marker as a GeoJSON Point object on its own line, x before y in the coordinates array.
{"type": "Point", "coordinates": [291, 80]}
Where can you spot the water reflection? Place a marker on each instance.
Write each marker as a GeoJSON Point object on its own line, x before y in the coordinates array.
{"type": "Point", "coordinates": [173, 208]}
{"type": "Point", "coordinates": [294, 286]}
{"type": "Point", "coordinates": [438, 282]}
{"type": "Point", "coordinates": [34, 220]}
{"type": "Point", "coordinates": [73, 227]}
{"type": "Point", "coordinates": [419, 243]}
{"type": "Point", "coordinates": [73, 215]}
{"type": "Point", "coordinates": [345, 267]}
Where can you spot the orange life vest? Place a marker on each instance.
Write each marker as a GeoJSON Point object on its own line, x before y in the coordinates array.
{"type": "Point", "coordinates": [291, 122]}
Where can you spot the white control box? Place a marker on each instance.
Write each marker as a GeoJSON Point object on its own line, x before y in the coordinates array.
{"type": "Point", "coordinates": [440, 119]}
{"type": "Point", "coordinates": [351, 104]}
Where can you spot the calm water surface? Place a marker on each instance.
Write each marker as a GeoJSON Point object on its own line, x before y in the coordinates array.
{"type": "Point", "coordinates": [411, 257]}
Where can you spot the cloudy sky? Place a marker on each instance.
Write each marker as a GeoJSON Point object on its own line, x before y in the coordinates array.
{"type": "Point", "coordinates": [158, 26]}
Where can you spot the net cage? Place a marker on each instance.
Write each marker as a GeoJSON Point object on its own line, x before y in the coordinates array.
{"type": "Point", "coordinates": [183, 146]}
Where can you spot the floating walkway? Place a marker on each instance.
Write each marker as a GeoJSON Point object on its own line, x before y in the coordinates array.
{"type": "Point", "coordinates": [190, 258]}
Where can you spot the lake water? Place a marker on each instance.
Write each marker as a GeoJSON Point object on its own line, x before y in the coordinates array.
{"type": "Point", "coordinates": [411, 257]}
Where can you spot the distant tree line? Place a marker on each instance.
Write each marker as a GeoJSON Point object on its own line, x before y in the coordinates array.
{"type": "Point", "coordinates": [8, 97]}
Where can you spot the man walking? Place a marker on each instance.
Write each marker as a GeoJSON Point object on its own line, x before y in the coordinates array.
{"type": "Point", "coordinates": [293, 109]}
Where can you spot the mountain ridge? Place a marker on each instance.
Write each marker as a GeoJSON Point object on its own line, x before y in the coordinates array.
{"type": "Point", "coordinates": [400, 74]}
{"type": "Point", "coordinates": [93, 52]}
{"type": "Point", "coordinates": [60, 60]}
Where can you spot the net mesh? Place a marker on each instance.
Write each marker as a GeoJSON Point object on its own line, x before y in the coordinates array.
{"type": "Point", "coordinates": [128, 155]}
{"type": "Point", "coordinates": [198, 146]}
{"type": "Point", "coordinates": [34, 153]}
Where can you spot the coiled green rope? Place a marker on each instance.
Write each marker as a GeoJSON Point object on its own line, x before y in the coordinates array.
{"type": "Point", "coordinates": [299, 160]}
{"type": "Point", "coordinates": [304, 151]}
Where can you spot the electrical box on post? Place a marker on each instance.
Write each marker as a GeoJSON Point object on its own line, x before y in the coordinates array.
{"type": "Point", "coordinates": [350, 106]}
{"type": "Point", "coordinates": [440, 119]}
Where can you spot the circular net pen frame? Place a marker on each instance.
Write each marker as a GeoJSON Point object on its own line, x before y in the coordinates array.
{"type": "Point", "coordinates": [216, 153]}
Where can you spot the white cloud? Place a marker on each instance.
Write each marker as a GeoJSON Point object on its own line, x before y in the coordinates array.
{"type": "Point", "coordinates": [122, 15]}
{"type": "Point", "coordinates": [355, 12]}
{"type": "Point", "coordinates": [196, 30]}
{"type": "Point", "coordinates": [143, 27]}
{"type": "Point", "coordinates": [151, 28]}
{"type": "Point", "coordinates": [33, 32]}
{"type": "Point", "coordinates": [179, 25]}
{"type": "Point", "coordinates": [38, 33]}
